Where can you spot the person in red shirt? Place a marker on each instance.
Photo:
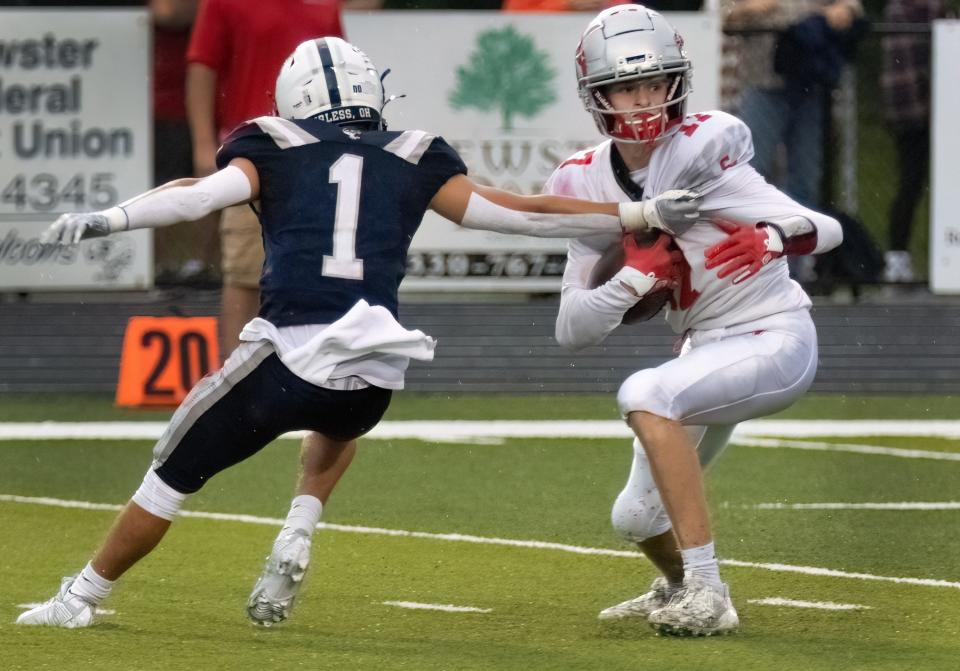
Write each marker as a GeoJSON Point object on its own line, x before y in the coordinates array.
{"type": "Point", "coordinates": [171, 35]}
{"type": "Point", "coordinates": [236, 50]}
{"type": "Point", "coordinates": [182, 252]}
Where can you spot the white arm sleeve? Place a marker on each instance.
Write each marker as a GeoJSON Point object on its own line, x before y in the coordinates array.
{"type": "Point", "coordinates": [167, 205]}
{"type": "Point", "coordinates": [829, 231]}
{"type": "Point", "coordinates": [749, 197]}
{"type": "Point", "coordinates": [586, 316]}
{"type": "Point", "coordinates": [485, 215]}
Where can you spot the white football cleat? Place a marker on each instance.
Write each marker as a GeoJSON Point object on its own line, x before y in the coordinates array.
{"type": "Point", "coordinates": [697, 609]}
{"type": "Point", "coordinates": [272, 598]}
{"type": "Point", "coordinates": [65, 610]}
{"type": "Point", "coordinates": [641, 606]}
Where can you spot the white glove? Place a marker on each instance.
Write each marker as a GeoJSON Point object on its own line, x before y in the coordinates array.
{"type": "Point", "coordinates": [639, 282]}
{"type": "Point", "coordinates": [71, 228]}
{"type": "Point", "coordinates": [673, 212]}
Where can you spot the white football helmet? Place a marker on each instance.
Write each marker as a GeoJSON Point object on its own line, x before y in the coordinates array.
{"type": "Point", "coordinates": [330, 79]}
{"type": "Point", "coordinates": [629, 42]}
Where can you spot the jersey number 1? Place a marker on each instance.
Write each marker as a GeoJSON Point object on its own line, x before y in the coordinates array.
{"type": "Point", "coordinates": [346, 174]}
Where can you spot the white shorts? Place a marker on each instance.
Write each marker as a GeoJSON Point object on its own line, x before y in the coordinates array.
{"type": "Point", "coordinates": [729, 375]}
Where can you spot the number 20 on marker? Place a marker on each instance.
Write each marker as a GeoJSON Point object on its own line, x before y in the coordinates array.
{"type": "Point", "coordinates": [163, 357]}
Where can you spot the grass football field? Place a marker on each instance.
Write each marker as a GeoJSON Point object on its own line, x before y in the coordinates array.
{"type": "Point", "coordinates": [513, 532]}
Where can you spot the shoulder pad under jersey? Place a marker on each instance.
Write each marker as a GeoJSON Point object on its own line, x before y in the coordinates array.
{"type": "Point", "coordinates": [702, 150]}
{"type": "Point", "coordinates": [266, 134]}
{"type": "Point", "coordinates": [571, 177]}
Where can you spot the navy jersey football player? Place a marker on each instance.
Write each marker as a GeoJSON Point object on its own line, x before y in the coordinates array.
{"type": "Point", "coordinates": [340, 199]}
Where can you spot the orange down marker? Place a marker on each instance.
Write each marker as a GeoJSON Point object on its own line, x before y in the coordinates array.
{"type": "Point", "coordinates": [163, 357]}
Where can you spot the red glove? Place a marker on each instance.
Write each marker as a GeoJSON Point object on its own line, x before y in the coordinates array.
{"type": "Point", "coordinates": [747, 249]}
{"type": "Point", "coordinates": [649, 269]}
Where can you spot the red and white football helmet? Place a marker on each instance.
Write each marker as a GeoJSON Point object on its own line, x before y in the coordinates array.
{"type": "Point", "coordinates": [629, 42]}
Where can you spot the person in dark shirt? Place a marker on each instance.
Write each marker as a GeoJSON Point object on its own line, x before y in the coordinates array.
{"type": "Point", "coordinates": [905, 90]}
{"type": "Point", "coordinates": [340, 199]}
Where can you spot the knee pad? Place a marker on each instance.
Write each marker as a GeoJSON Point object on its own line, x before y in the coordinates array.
{"type": "Point", "coordinates": [644, 391]}
{"type": "Point", "coordinates": [638, 512]}
{"type": "Point", "coordinates": [637, 519]}
{"type": "Point", "coordinates": [157, 497]}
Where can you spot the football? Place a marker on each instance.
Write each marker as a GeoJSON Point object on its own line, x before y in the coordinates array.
{"type": "Point", "coordinates": [611, 261]}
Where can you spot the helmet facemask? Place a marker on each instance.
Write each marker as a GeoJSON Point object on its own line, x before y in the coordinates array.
{"type": "Point", "coordinates": [639, 124]}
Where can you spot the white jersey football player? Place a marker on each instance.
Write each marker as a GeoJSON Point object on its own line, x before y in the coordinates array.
{"type": "Point", "coordinates": [749, 347]}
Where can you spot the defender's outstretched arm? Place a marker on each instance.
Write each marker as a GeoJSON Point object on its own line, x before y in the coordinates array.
{"type": "Point", "coordinates": [473, 206]}
{"type": "Point", "coordinates": [173, 202]}
{"type": "Point", "coordinates": [462, 201]}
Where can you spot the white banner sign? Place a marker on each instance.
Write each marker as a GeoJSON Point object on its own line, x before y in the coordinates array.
{"type": "Point", "coordinates": [501, 89]}
{"type": "Point", "coordinates": [74, 136]}
{"type": "Point", "coordinates": [945, 146]}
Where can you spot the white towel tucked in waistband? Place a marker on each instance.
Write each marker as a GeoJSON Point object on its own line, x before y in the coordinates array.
{"type": "Point", "coordinates": [365, 331]}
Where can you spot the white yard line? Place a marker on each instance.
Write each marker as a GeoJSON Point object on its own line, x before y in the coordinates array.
{"type": "Point", "coordinates": [98, 611]}
{"type": "Point", "coordinates": [466, 538]}
{"type": "Point", "coordinates": [891, 505]}
{"type": "Point", "coordinates": [832, 573]}
{"type": "Point", "coordinates": [818, 428]}
{"type": "Point", "coordinates": [822, 605]}
{"type": "Point", "coordinates": [847, 447]}
{"type": "Point", "coordinates": [460, 431]}
{"type": "Point", "coordinates": [81, 430]}
{"type": "Point", "coordinates": [494, 432]}
{"type": "Point", "coordinates": [437, 606]}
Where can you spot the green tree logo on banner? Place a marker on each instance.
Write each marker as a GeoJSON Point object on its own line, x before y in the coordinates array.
{"type": "Point", "coordinates": [506, 71]}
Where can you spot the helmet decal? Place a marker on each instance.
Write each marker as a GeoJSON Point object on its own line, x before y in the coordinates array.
{"type": "Point", "coordinates": [329, 74]}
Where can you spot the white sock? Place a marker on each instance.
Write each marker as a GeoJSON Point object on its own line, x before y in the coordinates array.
{"type": "Point", "coordinates": [702, 562]}
{"type": "Point", "coordinates": [91, 586]}
{"type": "Point", "coordinates": [304, 514]}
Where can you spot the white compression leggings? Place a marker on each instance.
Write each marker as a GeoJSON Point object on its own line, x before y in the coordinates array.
{"type": "Point", "coordinates": [638, 512]}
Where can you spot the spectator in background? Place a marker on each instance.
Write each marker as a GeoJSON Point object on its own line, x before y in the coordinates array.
{"type": "Point", "coordinates": [172, 149]}
{"type": "Point", "coordinates": [787, 72]}
{"type": "Point", "coordinates": [905, 83]}
{"type": "Point", "coordinates": [172, 20]}
{"type": "Point", "coordinates": [236, 50]}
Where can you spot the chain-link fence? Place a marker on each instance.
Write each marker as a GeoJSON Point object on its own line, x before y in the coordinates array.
{"type": "Point", "coordinates": [836, 150]}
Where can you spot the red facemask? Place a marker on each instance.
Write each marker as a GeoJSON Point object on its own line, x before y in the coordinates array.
{"type": "Point", "coordinates": [645, 126]}
{"type": "Point", "coordinates": [640, 125]}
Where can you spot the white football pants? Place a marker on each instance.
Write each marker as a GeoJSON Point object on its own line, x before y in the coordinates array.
{"type": "Point", "coordinates": [722, 377]}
